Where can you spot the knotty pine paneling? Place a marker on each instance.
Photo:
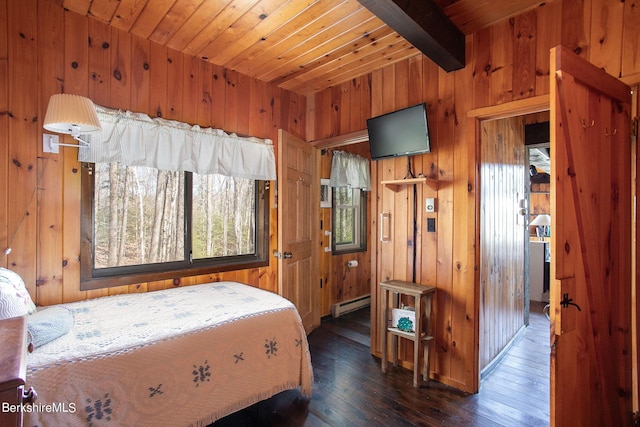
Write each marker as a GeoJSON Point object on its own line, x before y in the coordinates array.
{"type": "Point", "coordinates": [506, 61]}
{"type": "Point", "coordinates": [192, 89]}
{"type": "Point", "coordinates": [464, 229]}
{"type": "Point", "coordinates": [605, 37]}
{"type": "Point", "coordinates": [4, 127]}
{"type": "Point", "coordinates": [204, 98]}
{"type": "Point", "coordinates": [139, 72]}
{"type": "Point", "coordinates": [120, 71]}
{"type": "Point", "coordinates": [174, 87]}
{"type": "Point", "coordinates": [23, 126]}
{"type": "Point", "coordinates": [548, 33]}
{"type": "Point", "coordinates": [576, 25]}
{"type": "Point", "coordinates": [99, 58]}
{"type": "Point", "coordinates": [502, 63]}
{"type": "Point", "coordinates": [524, 55]}
{"type": "Point", "coordinates": [50, 166]}
{"type": "Point", "coordinates": [99, 61]}
{"type": "Point", "coordinates": [158, 80]}
{"type": "Point", "coordinates": [630, 36]}
{"type": "Point", "coordinates": [45, 49]}
{"type": "Point", "coordinates": [446, 121]}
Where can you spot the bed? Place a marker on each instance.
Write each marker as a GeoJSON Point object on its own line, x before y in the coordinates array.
{"type": "Point", "coordinates": [185, 357]}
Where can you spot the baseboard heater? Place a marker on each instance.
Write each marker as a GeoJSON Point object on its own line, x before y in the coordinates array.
{"type": "Point", "coordinates": [353, 304]}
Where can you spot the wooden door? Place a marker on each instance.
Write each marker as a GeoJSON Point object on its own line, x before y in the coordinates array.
{"type": "Point", "coordinates": [502, 235]}
{"type": "Point", "coordinates": [591, 245]}
{"type": "Point", "coordinates": [298, 223]}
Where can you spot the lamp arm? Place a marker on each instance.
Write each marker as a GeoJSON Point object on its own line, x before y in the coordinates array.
{"type": "Point", "coordinates": [49, 146]}
{"type": "Point", "coordinates": [70, 145]}
{"type": "Point", "coordinates": [81, 142]}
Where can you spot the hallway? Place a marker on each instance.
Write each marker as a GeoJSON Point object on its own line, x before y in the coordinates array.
{"type": "Point", "coordinates": [519, 384]}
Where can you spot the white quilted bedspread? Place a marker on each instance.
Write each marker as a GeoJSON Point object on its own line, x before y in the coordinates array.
{"type": "Point", "coordinates": [183, 356]}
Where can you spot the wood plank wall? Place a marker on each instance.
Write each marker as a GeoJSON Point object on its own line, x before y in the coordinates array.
{"type": "Point", "coordinates": [4, 126]}
{"type": "Point", "coordinates": [45, 50]}
{"type": "Point", "coordinates": [505, 62]}
{"type": "Point", "coordinates": [502, 235]}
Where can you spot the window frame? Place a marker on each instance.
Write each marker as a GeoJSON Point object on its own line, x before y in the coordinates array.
{"type": "Point", "coordinates": [361, 228]}
{"type": "Point", "coordinates": [91, 278]}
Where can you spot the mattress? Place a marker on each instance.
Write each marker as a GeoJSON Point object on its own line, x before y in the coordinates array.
{"type": "Point", "coordinates": [184, 357]}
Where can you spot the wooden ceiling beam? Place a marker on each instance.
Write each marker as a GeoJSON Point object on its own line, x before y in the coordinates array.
{"type": "Point", "coordinates": [424, 25]}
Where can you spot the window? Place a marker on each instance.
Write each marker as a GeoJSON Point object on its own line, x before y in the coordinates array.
{"type": "Point", "coordinates": [349, 220]}
{"type": "Point", "coordinates": [147, 224]}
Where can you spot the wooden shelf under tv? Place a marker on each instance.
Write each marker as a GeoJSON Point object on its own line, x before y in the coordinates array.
{"type": "Point", "coordinates": [397, 184]}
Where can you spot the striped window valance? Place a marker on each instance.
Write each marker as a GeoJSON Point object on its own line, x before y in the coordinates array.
{"type": "Point", "coordinates": [135, 139]}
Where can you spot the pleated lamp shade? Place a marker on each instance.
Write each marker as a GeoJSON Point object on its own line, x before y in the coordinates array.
{"type": "Point", "coordinates": [71, 114]}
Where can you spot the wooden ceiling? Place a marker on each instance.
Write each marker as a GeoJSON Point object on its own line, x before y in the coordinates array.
{"type": "Point", "coordinates": [301, 45]}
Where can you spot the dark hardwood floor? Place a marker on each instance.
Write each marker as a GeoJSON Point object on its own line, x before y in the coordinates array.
{"type": "Point", "coordinates": [350, 389]}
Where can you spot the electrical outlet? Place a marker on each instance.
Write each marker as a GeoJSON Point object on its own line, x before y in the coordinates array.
{"type": "Point", "coordinates": [431, 225]}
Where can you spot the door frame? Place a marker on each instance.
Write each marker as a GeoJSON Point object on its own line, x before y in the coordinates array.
{"type": "Point", "coordinates": [633, 81]}
{"type": "Point", "coordinates": [475, 118]}
{"type": "Point", "coordinates": [635, 253]}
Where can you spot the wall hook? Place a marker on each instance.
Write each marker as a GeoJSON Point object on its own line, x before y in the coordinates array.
{"type": "Point", "coordinates": [584, 124]}
{"type": "Point", "coordinates": [566, 302]}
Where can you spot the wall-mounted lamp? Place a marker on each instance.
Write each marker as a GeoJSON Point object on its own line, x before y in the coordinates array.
{"type": "Point", "coordinates": [71, 115]}
{"type": "Point", "coordinates": [541, 222]}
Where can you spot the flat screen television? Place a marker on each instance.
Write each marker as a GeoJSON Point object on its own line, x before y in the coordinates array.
{"type": "Point", "coordinates": [400, 133]}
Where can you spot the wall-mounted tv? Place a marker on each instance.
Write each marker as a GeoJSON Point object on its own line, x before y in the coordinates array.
{"type": "Point", "coordinates": [400, 133]}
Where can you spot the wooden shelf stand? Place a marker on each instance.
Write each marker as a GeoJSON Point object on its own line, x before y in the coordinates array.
{"type": "Point", "coordinates": [422, 295]}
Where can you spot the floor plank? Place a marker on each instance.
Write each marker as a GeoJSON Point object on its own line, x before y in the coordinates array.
{"type": "Point", "coordinates": [350, 389]}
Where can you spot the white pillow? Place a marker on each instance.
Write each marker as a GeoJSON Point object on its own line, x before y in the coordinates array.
{"type": "Point", "coordinates": [14, 298]}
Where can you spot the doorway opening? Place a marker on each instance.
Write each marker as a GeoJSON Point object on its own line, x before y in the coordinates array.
{"type": "Point", "coordinates": [514, 332]}
{"type": "Point", "coordinates": [537, 146]}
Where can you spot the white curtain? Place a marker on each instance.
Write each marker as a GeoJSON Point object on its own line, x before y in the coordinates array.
{"type": "Point", "coordinates": [135, 139]}
{"type": "Point", "coordinates": [350, 170]}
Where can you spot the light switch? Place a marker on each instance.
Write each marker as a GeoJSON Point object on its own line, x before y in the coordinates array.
{"type": "Point", "coordinates": [430, 204]}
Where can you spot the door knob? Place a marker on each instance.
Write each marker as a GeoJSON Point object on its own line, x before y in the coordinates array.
{"type": "Point", "coordinates": [288, 255]}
